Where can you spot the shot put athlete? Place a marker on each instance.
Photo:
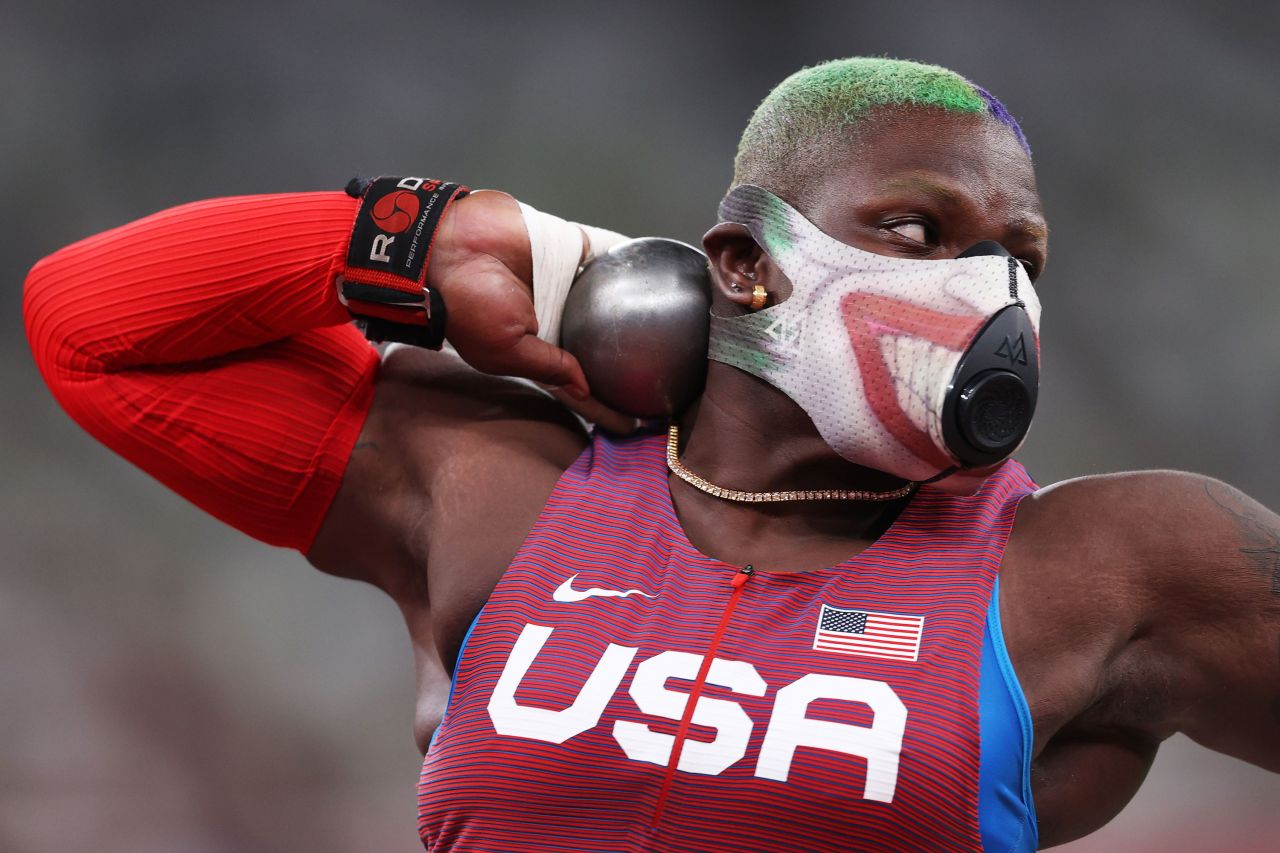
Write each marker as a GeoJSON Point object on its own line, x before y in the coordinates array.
{"type": "Point", "coordinates": [821, 612]}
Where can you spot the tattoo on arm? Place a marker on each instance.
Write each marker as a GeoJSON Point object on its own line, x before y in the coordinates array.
{"type": "Point", "coordinates": [366, 445]}
{"type": "Point", "coordinates": [1261, 539]}
{"type": "Point", "coordinates": [1261, 545]}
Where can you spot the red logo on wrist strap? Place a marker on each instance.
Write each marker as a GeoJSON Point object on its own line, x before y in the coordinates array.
{"type": "Point", "coordinates": [395, 212]}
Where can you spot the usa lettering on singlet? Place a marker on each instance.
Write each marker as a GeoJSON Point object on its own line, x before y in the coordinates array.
{"type": "Point", "coordinates": [836, 709]}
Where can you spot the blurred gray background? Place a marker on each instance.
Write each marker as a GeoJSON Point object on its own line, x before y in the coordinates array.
{"type": "Point", "coordinates": [167, 684]}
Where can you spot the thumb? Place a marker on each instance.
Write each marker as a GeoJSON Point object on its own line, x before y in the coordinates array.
{"type": "Point", "coordinates": [598, 413]}
{"type": "Point", "coordinates": [534, 358]}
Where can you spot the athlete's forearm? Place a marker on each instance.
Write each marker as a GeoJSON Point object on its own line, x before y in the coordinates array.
{"type": "Point", "coordinates": [206, 345]}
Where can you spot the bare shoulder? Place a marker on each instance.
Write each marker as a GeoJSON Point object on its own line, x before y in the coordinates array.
{"type": "Point", "coordinates": [1115, 553]}
{"type": "Point", "coordinates": [438, 429]}
{"type": "Point", "coordinates": [1074, 582]}
{"type": "Point", "coordinates": [1145, 521]}
{"type": "Point", "coordinates": [1130, 493]}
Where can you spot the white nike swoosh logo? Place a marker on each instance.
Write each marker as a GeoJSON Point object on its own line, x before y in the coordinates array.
{"type": "Point", "coordinates": [566, 592]}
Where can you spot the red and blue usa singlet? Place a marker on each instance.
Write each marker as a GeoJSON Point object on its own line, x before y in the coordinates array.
{"type": "Point", "coordinates": [621, 691]}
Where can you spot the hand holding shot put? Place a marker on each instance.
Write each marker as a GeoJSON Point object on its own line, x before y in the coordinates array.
{"type": "Point", "coordinates": [482, 265]}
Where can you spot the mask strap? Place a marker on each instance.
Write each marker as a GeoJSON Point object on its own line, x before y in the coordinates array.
{"type": "Point", "coordinates": [942, 475]}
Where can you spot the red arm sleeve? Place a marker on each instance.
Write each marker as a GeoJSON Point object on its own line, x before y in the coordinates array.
{"type": "Point", "coordinates": [206, 345]}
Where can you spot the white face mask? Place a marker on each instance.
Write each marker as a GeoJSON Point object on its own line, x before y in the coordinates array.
{"type": "Point", "coordinates": [918, 368]}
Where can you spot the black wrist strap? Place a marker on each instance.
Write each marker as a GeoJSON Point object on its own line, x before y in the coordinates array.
{"type": "Point", "coordinates": [383, 282]}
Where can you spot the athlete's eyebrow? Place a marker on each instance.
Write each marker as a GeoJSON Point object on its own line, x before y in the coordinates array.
{"type": "Point", "coordinates": [940, 192]}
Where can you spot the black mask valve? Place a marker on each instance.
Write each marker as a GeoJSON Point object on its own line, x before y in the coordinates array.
{"type": "Point", "coordinates": [992, 397]}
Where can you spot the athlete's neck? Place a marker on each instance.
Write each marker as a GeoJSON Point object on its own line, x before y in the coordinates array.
{"type": "Point", "coordinates": [744, 434]}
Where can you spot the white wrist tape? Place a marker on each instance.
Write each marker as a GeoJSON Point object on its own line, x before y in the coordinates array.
{"type": "Point", "coordinates": [556, 246]}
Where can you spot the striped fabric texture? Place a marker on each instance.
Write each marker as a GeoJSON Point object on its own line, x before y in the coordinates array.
{"type": "Point", "coordinates": [206, 345]}
{"type": "Point", "coordinates": [569, 726]}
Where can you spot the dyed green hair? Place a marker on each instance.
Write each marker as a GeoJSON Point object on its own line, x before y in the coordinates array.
{"type": "Point", "coordinates": [811, 118]}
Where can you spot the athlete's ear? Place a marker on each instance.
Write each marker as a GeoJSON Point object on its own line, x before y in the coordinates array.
{"type": "Point", "coordinates": [738, 265]}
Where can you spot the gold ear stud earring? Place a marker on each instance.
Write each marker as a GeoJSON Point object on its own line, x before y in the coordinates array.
{"type": "Point", "coordinates": [759, 296]}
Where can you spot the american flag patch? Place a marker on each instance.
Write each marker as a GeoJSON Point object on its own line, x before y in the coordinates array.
{"type": "Point", "coordinates": [873, 635]}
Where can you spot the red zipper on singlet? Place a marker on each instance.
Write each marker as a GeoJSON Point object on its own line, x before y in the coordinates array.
{"type": "Point", "coordinates": [738, 582]}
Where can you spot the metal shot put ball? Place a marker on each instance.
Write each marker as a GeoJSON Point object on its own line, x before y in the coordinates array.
{"type": "Point", "coordinates": [637, 319]}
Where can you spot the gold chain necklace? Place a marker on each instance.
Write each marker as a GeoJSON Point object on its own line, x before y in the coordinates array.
{"type": "Point", "coordinates": [677, 468]}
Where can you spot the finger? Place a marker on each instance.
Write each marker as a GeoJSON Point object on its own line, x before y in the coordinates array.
{"type": "Point", "coordinates": [534, 358]}
{"type": "Point", "coordinates": [598, 413]}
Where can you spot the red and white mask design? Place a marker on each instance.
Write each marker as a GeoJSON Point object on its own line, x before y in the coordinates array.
{"type": "Point", "coordinates": [868, 345]}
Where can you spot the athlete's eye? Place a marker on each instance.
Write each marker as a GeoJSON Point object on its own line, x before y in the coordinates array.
{"type": "Point", "coordinates": [913, 230]}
